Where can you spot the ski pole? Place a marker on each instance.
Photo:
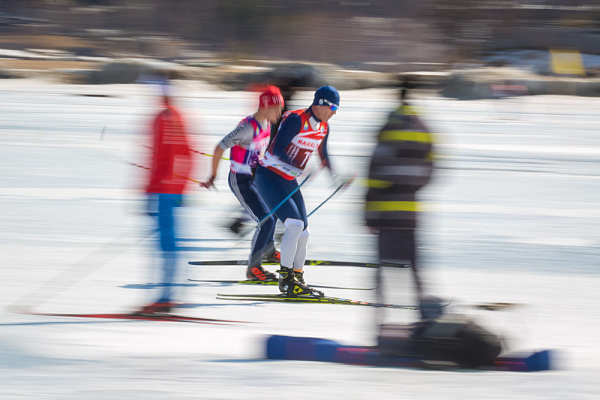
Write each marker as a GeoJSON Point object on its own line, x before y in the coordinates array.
{"type": "Point", "coordinates": [266, 217]}
{"type": "Point", "coordinates": [209, 155]}
{"type": "Point", "coordinates": [148, 168]}
{"type": "Point", "coordinates": [347, 182]}
{"type": "Point", "coordinates": [285, 199]}
{"type": "Point", "coordinates": [76, 271]}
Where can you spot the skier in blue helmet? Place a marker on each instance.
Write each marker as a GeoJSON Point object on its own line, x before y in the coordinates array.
{"type": "Point", "coordinates": [301, 133]}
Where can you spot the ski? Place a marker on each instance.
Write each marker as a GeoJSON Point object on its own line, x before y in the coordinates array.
{"type": "Point", "coordinates": [142, 317]}
{"type": "Point", "coordinates": [311, 299]}
{"type": "Point", "coordinates": [254, 282]}
{"type": "Point", "coordinates": [307, 262]}
{"type": "Point", "coordinates": [496, 306]}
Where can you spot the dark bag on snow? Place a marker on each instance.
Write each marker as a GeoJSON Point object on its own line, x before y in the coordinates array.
{"type": "Point", "coordinates": [450, 338]}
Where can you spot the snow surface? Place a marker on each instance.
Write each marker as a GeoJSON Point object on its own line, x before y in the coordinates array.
{"type": "Point", "coordinates": [513, 217]}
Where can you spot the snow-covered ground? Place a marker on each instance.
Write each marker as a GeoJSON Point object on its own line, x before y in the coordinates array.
{"type": "Point", "coordinates": [513, 217]}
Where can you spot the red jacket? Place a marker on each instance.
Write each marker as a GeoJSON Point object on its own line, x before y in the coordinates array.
{"type": "Point", "coordinates": [171, 154]}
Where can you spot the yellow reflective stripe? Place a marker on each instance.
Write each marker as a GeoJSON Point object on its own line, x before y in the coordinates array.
{"type": "Point", "coordinates": [378, 184]}
{"type": "Point", "coordinates": [392, 206]}
{"type": "Point", "coordinates": [408, 110]}
{"type": "Point", "coordinates": [388, 136]}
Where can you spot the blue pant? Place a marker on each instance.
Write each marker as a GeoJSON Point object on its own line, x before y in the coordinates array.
{"type": "Point", "coordinates": [292, 212]}
{"type": "Point", "coordinates": [164, 206]}
{"type": "Point", "coordinates": [243, 187]}
{"type": "Point", "coordinates": [273, 189]}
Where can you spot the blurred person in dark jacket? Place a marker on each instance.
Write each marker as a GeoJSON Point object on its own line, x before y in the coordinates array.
{"type": "Point", "coordinates": [401, 165]}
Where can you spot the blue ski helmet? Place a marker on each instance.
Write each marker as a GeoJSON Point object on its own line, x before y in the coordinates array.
{"type": "Point", "coordinates": [326, 96]}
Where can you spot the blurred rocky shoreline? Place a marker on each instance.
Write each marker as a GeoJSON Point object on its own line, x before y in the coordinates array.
{"type": "Point", "coordinates": [464, 84]}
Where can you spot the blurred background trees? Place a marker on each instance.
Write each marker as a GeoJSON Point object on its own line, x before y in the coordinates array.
{"type": "Point", "coordinates": [370, 34]}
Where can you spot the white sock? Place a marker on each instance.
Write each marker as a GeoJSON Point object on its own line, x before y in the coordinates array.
{"type": "Point", "coordinates": [301, 250]}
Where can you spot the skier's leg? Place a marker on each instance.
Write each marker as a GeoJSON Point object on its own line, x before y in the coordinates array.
{"type": "Point", "coordinates": [167, 228]}
{"type": "Point", "coordinates": [246, 192]}
{"type": "Point", "coordinates": [289, 242]}
{"type": "Point", "coordinates": [398, 246]}
{"type": "Point", "coordinates": [302, 246]}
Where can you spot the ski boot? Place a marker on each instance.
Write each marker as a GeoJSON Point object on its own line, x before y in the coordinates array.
{"type": "Point", "coordinates": [299, 275]}
{"type": "Point", "coordinates": [275, 257]}
{"type": "Point", "coordinates": [260, 274]}
{"type": "Point", "coordinates": [290, 286]}
{"type": "Point", "coordinates": [160, 307]}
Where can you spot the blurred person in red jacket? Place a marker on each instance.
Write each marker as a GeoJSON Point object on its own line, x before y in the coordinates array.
{"type": "Point", "coordinates": [169, 175]}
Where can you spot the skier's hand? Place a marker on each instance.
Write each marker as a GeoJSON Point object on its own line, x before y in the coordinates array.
{"type": "Point", "coordinates": [343, 181]}
{"type": "Point", "coordinates": [209, 183]}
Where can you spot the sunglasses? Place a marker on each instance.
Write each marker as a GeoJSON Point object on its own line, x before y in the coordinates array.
{"type": "Point", "coordinates": [332, 106]}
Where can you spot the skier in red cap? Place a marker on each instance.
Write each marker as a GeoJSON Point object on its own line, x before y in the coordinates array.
{"type": "Point", "coordinates": [248, 143]}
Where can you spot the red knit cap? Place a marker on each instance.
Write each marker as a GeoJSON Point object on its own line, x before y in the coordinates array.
{"type": "Point", "coordinates": [270, 97]}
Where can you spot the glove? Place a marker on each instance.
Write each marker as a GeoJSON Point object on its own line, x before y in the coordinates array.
{"type": "Point", "coordinates": [343, 181]}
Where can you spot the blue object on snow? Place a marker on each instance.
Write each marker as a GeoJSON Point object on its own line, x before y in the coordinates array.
{"type": "Point", "coordinates": [316, 349]}
{"type": "Point", "coordinates": [301, 348]}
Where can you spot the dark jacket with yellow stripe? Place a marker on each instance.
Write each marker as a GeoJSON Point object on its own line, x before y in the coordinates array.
{"type": "Point", "coordinates": [402, 163]}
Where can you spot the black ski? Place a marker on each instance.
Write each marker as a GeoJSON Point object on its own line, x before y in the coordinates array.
{"type": "Point", "coordinates": [254, 282]}
{"type": "Point", "coordinates": [311, 299]}
{"type": "Point", "coordinates": [496, 306]}
{"type": "Point", "coordinates": [307, 262]}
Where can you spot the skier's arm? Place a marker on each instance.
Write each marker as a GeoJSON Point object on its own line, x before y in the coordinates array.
{"type": "Point", "coordinates": [338, 180]}
{"type": "Point", "coordinates": [241, 132]}
{"type": "Point", "coordinates": [324, 155]}
{"type": "Point", "coordinates": [217, 154]}
{"type": "Point", "coordinates": [160, 155]}
{"type": "Point", "coordinates": [287, 130]}
{"type": "Point", "coordinates": [234, 137]}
